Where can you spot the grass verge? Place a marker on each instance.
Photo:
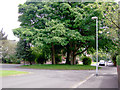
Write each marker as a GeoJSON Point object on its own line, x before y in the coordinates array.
{"type": "Point", "coordinates": [93, 62]}
{"type": "Point", "coordinates": [60, 67]}
{"type": "Point", "coordinates": [10, 73]}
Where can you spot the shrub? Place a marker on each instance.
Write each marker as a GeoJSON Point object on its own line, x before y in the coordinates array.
{"type": "Point", "coordinates": [58, 59]}
{"type": "Point", "coordinates": [86, 60]}
{"type": "Point", "coordinates": [4, 60]}
{"type": "Point", "coordinates": [8, 60]}
{"type": "Point", "coordinates": [18, 61]}
{"type": "Point", "coordinates": [41, 59]}
{"type": "Point", "coordinates": [118, 60]}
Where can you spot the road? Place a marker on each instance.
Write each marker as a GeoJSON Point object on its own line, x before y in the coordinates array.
{"type": "Point", "coordinates": [60, 78]}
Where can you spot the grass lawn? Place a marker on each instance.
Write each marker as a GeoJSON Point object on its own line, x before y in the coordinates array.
{"type": "Point", "coordinates": [9, 73]}
{"type": "Point", "coordinates": [60, 67]}
{"type": "Point", "coordinates": [93, 62]}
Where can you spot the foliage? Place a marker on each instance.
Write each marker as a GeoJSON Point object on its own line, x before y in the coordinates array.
{"type": "Point", "coordinates": [23, 51]}
{"type": "Point", "coordinates": [102, 55]}
{"type": "Point", "coordinates": [58, 58]}
{"type": "Point", "coordinates": [86, 60]}
{"type": "Point", "coordinates": [41, 55]}
{"type": "Point", "coordinates": [118, 60]}
{"type": "Point", "coordinates": [41, 59]}
{"type": "Point", "coordinates": [11, 59]}
{"type": "Point", "coordinates": [67, 24]}
{"type": "Point", "coordinates": [112, 16]}
{"type": "Point", "coordinates": [113, 56]}
{"type": "Point", "coordinates": [8, 48]}
{"type": "Point", "coordinates": [14, 59]}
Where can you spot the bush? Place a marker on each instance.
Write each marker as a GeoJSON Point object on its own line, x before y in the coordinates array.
{"type": "Point", "coordinates": [8, 60]}
{"type": "Point", "coordinates": [58, 59]}
{"type": "Point", "coordinates": [41, 59]}
{"type": "Point", "coordinates": [17, 62]}
{"type": "Point", "coordinates": [11, 59]}
{"type": "Point", "coordinates": [118, 60]}
{"type": "Point", "coordinates": [4, 60]}
{"type": "Point", "coordinates": [86, 60]}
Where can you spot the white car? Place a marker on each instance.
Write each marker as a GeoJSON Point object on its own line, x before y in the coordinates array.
{"type": "Point", "coordinates": [102, 63]}
{"type": "Point", "coordinates": [109, 63]}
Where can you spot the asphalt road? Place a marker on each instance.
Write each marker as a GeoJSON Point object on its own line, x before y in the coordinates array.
{"type": "Point", "coordinates": [60, 78]}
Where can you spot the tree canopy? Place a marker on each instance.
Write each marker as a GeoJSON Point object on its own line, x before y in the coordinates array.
{"type": "Point", "coordinates": [65, 24]}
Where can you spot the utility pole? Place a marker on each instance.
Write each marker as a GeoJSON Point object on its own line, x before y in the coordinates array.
{"type": "Point", "coordinates": [96, 18]}
{"type": "Point", "coordinates": [118, 68]}
{"type": "Point", "coordinates": [118, 32]}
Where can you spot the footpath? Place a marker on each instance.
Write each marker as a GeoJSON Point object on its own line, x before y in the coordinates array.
{"type": "Point", "coordinates": [107, 78]}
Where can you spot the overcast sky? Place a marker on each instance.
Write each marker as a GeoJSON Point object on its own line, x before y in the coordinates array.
{"type": "Point", "coordinates": [9, 16]}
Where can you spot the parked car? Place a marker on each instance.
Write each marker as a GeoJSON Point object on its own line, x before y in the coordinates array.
{"type": "Point", "coordinates": [109, 63]}
{"type": "Point", "coordinates": [102, 63]}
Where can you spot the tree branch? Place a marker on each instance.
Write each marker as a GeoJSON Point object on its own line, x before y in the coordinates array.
{"type": "Point", "coordinates": [112, 21]}
{"type": "Point", "coordinates": [82, 51]}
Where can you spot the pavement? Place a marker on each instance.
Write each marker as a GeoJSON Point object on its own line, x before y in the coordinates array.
{"type": "Point", "coordinates": [107, 78]}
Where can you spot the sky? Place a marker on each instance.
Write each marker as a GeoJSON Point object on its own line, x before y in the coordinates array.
{"type": "Point", "coordinates": [9, 16]}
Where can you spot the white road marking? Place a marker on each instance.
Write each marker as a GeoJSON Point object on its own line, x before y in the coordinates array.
{"type": "Point", "coordinates": [80, 83]}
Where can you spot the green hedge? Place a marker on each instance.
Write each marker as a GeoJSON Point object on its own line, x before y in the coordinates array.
{"type": "Point", "coordinates": [118, 60]}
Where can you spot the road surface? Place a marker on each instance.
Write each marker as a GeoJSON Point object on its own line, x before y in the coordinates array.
{"type": "Point", "coordinates": [60, 78]}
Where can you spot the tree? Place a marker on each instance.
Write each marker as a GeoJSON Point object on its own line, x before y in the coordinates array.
{"type": "Point", "coordinates": [41, 54]}
{"type": "Point", "coordinates": [7, 47]}
{"type": "Point", "coordinates": [52, 35]}
{"type": "Point", "coordinates": [2, 35]}
{"type": "Point", "coordinates": [24, 52]}
{"type": "Point", "coordinates": [113, 27]}
{"type": "Point", "coordinates": [67, 24]}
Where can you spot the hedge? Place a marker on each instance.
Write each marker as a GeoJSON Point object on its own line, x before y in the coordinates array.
{"type": "Point", "coordinates": [118, 60]}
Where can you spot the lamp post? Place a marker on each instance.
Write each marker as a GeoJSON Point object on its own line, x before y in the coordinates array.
{"type": "Point", "coordinates": [96, 44]}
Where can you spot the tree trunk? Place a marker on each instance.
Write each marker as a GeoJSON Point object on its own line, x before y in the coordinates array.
{"type": "Point", "coordinates": [30, 62]}
{"type": "Point", "coordinates": [71, 58]}
{"type": "Point", "coordinates": [74, 59]}
{"type": "Point", "coordinates": [53, 54]}
{"type": "Point", "coordinates": [68, 57]}
{"type": "Point", "coordinates": [24, 62]}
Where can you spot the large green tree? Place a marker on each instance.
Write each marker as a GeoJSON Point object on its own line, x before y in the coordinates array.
{"type": "Point", "coordinates": [113, 27]}
{"type": "Point", "coordinates": [67, 24]}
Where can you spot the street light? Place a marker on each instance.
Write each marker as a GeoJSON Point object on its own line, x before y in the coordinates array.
{"type": "Point", "coordinates": [96, 44]}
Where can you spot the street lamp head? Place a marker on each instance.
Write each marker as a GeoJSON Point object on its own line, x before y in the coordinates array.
{"type": "Point", "coordinates": [119, 4]}
{"type": "Point", "coordinates": [94, 17]}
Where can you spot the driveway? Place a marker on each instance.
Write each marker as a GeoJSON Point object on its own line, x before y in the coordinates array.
{"type": "Point", "coordinates": [55, 78]}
